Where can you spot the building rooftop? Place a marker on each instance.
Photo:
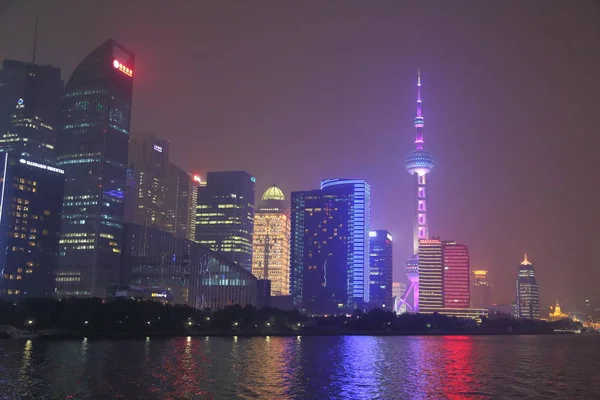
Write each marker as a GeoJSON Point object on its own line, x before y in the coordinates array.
{"type": "Point", "coordinates": [273, 193]}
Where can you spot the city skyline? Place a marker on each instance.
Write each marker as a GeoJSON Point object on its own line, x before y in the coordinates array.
{"type": "Point", "coordinates": [480, 129]}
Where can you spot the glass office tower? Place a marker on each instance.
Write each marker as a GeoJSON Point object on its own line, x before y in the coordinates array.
{"type": "Point", "coordinates": [30, 96]}
{"type": "Point", "coordinates": [329, 246]}
{"type": "Point", "coordinates": [30, 219]}
{"type": "Point", "coordinates": [91, 147]}
{"type": "Point", "coordinates": [225, 215]}
{"type": "Point", "coordinates": [381, 270]}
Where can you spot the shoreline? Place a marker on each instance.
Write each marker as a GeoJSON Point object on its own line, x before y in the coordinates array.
{"type": "Point", "coordinates": [170, 335]}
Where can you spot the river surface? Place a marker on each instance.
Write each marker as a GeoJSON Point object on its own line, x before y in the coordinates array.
{"type": "Point", "coordinates": [336, 367]}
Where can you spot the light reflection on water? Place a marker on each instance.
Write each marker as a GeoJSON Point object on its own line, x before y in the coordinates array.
{"type": "Point", "coordinates": [347, 367]}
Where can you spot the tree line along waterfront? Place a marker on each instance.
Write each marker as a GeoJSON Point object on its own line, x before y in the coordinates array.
{"type": "Point", "coordinates": [122, 317]}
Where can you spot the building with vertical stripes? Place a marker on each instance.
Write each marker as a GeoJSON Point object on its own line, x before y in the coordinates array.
{"type": "Point", "coordinates": [431, 275]}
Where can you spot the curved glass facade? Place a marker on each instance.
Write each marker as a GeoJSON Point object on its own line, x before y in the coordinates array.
{"type": "Point", "coordinates": [91, 147]}
{"type": "Point", "coordinates": [195, 275]}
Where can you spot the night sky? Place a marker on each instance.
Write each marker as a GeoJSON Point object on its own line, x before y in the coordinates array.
{"type": "Point", "coordinates": [294, 92]}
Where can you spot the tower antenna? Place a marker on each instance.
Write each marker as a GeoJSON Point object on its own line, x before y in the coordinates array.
{"type": "Point", "coordinates": [35, 35]}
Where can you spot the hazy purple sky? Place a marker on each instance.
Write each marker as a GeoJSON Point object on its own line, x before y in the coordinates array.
{"type": "Point", "coordinates": [297, 91]}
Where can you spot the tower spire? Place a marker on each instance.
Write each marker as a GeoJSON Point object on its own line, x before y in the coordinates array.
{"type": "Point", "coordinates": [35, 36]}
{"type": "Point", "coordinates": [419, 121]}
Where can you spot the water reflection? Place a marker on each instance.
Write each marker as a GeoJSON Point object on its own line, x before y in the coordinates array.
{"type": "Point", "coordinates": [302, 368]}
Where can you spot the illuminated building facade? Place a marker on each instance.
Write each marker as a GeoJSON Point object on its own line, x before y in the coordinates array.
{"type": "Point", "coordinates": [381, 269]}
{"type": "Point", "coordinates": [30, 96]}
{"type": "Point", "coordinates": [92, 148]}
{"type": "Point", "coordinates": [329, 246]}
{"type": "Point", "coordinates": [419, 163]}
{"type": "Point", "coordinates": [225, 215]}
{"type": "Point", "coordinates": [481, 291]}
{"type": "Point", "coordinates": [359, 194]}
{"type": "Point", "coordinates": [528, 300]}
{"type": "Point", "coordinates": [190, 273]}
{"type": "Point", "coordinates": [431, 275]}
{"type": "Point", "coordinates": [162, 194]}
{"type": "Point", "coordinates": [557, 314]}
{"type": "Point", "coordinates": [271, 249]}
{"type": "Point", "coordinates": [456, 275]}
{"type": "Point", "coordinates": [30, 220]}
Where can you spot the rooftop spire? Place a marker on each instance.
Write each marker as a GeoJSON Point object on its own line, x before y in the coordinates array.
{"type": "Point", "coordinates": [525, 260]}
{"type": "Point", "coordinates": [35, 36]}
{"type": "Point", "coordinates": [419, 122]}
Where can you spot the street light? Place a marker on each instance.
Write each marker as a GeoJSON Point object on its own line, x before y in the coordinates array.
{"type": "Point", "coordinates": [85, 322]}
{"type": "Point", "coordinates": [30, 322]}
{"type": "Point", "coordinates": [190, 323]}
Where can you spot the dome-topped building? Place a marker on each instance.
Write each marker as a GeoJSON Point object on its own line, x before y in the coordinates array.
{"type": "Point", "coordinates": [271, 249]}
{"type": "Point", "coordinates": [273, 193]}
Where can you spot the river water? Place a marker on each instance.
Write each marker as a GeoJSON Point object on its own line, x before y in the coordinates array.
{"type": "Point", "coordinates": [336, 367]}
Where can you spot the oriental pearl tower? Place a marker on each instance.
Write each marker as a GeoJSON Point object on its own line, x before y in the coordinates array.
{"type": "Point", "coordinates": [420, 163]}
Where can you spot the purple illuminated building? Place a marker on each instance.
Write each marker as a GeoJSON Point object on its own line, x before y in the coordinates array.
{"type": "Point", "coordinates": [420, 163]}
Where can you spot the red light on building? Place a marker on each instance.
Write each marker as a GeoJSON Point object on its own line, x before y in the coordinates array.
{"type": "Point", "coordinates": [456, 275]}
{"type": "Point", "coordinates": [122, 68]}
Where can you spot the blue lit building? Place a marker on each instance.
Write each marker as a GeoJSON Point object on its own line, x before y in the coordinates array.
{"type": "Point", "coordinates": [30, 220]}
{"type": "Point", "coordinates": [30, 96]}
{"type": "Point", "coordinates": [329, 246]}
{"type": "Point", "coordinates": [381, 269]}
{"type": "Point", "coordinates": [92, 146]}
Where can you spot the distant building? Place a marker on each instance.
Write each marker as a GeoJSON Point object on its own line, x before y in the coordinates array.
{"type": "Point", "coordinates": [501, 310]}
{"type": "Point", "coordinates": [381, 270]}
{"type": "Point", "coordinates": [163, 194]}
{"type": "Point", "coordinates": [456, 275]}
{"type": "Point", "coordinates": [557, 314]}
{"type": "Point", "coordinates": [30, 220]}
{"type": "Point", "coordinates": [30, 96]}
{"type": "Point", "coordinates": [528, 301]}
{"type": "Point", "coordinates": [329, 246]}
{"type": "Point", "coordinates": [398, 288]}
{"type": "Point", "coordinates": [191, 273]}
{"type": "Point", "coordinates": [91, 147]}
{"type": "Point", "coordinates": [225, 215]}
{"type": "Point", "coordinates": [481, 293]}
{"type": "Point", "coordinates": [431, 275]}
{"type": "Point", "coordinates": [152, 293]}
{"type": "Point", "coordinates": [263, 293]}
{"type": "Point", "coordinates": [271, 248]}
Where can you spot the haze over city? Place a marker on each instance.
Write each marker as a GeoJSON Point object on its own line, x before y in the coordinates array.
{"type": "Point", "coordinates": [295, 93]}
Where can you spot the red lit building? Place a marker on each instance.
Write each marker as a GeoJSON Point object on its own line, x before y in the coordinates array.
{"type": "Point", "coordinates": [456, 275]}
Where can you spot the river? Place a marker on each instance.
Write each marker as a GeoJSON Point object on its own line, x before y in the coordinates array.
{"type": "Point", "coordinates": [333, 367]}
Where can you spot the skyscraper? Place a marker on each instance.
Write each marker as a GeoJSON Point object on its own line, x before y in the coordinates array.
{"type": "Point", "coordinates": [431, 275]}
{"type": "Point", "coordinates": [271, 248]}
{"type": "Point", "coordinates": [30, 207]}
{"type": "Point", "coordinates": [92, 147]}
{"type": "Point", "coordinates": [528, 301]}
{"type": "Point", "coordinates": [225, 215]}
{"type": "Point", "coordinates": [31, 187]}
{"type": "Point", "coordinates": [481, 293]}
{"type": "Point", "coordinates": [420, 163]}
{"type": "Point", "coordinates": [381, 269]}
{"type": "Point", "coordinates": [329, 246]}
{"type": "Point", "coordinates": [162, 194]}
{"type": "Point", "coordinates": [456, 275]}
{"type": "Point", "coordinates": [30, 96]}
{"type": "Point", "coordinates": [359, 193]}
